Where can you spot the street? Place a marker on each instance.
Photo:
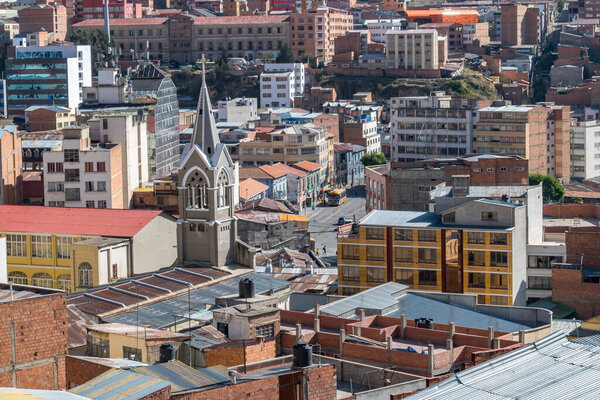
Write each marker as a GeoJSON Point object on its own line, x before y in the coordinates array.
{"type": "Point", "coordinates": [323, 222]}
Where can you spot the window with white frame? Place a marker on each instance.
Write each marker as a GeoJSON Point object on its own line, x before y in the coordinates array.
{"type": "Point", "coordinates": [41, 246]}
{"type": "Point", "coordinates": [16, 245]}
{"type": "Point", "coordinates": [62, 247]}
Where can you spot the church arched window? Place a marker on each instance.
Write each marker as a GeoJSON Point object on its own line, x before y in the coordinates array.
{"type": "Point", "coordinates": [223, 189]}
{"type": "Point", "coordinates": [197, 191]}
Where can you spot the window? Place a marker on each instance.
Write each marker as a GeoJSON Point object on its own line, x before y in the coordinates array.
{"type": "Point", "coordinates": [71, 155]}
{"type": "Point", "coordinates": [266, 331]}
{"type": "Point", "coordinates": [72, 194]}
{"type": "Point", "coordinates": [18, 277]}
{"type": "Point", "coordinates": [476, 238]}
{"type": "Point", "coordinates": [542, 261]}
{"type": "Point", "coordinates": [97, 347]}
{"type": "Point", "coordinates": [376, 275]}
{"type": "Point", "coordinates": [71, 175]}
{"type": "Point", "coordinates": [427, 278]}
{"type": "Point", "coordinates": [404, 276]}
{"type": "Point", "coordinates": [350, 274]}
{"type": "Point", "coordinates": [498, 281]}
{"type": "Point", "coordinates": [89, 167]}
{"type": "Point", "coordinates": [89, 186]}
{"type": "Point", "coordinates": [476, 280]}
{"type": "Point", "coordinates": [101, 203]}
{"type": "Point", "coordinates": [56, 187]}
{"type": "Point", "coordinates": [427, 256]}
{"type": "Point", "coordinates": [498, 259]}
{"type": "Point", "coordinates": [500, 239]}
{"type": "Point", "coordinates": [84, 274]}
{"type": "Point", "coordinates": [62, 247]}
{"type": "Point", "coordinates": [350, 252]}
{"type": "Point", "coordinates": [16, 245]}
{"type": "Point", "coordinates": [449, 218]}
{"type": "Point", "coordinates": [90, 204]}
{"type": "Point", "coordinates": [499, 300]}
{"type": "Point", "coordinates": [489, 216]}
{"type": "Point", "coordinates": [375, 233]}
{"type": "Point", "coordinates": [375, 253]}
{"type": "Point", "coordinates": [131, 353]}
{"type": "Point", "coordinates": [101, 186]}
{"type": "Point", "coordinates": [223, 328]}
{"type": "Point", "coordinates": [41, 246]}
{"type": "Point", "coordinates": [403, 234]}
{"type": "Point", "coordinates": [104, 123]}
{"type": "Point", "coordinates": [55, 167]}
{"type": "Point", "coordinates": [476, 258]}
{"type": "Point", "coordinates": [427, 236]}
{"type": "Point", "coordinates": [539, 282]}
{"type": "Point", "coordinates": [349, 291]}
{"type": "Point", "coordinates": [403, 254]}
{"type": "Point", "coordinates": [101, 166]}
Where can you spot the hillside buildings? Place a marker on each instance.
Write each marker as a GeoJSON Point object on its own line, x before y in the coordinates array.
{"type": "Point", "coordinates": [412, 49]}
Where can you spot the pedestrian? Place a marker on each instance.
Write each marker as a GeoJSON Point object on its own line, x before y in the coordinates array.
{"type": "Point", "coordinates": [324, 250]}
{"type": "Point", "coordinates": [317, 252]}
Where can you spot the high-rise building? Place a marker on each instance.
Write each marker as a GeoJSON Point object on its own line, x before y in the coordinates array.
{"type": "Point", "coordinates": [11, 166]}
{"type": "Point", "coordinates": [279, 83]}
{"type": "Point", "coordinates": [51, 18]}
{"type": "Point", "coordinates": [47, 76]}
{"type": "Point", "coordinates": [585, 141]}
{"type": "Point", "coordinates": [94, 9]}
{"type": "Point", "coordinates": [412, 49]}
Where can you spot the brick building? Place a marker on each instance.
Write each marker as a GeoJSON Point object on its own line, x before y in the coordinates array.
{"type": "Point", "coordinates": [47, 17]}
{"type": "Point", "coordinates": [452, 31]}
{"type": "Point", "coordinates": [94, 9]}
{"type": "Point", "coordinates": [11, 166]}
{"type": "Point", "coordinates": [378, 188]}
{"type": "Point", "coordinates": [461, 16]}
{"type": "Point", "coordinates": [521, 24]}
{"type": "Point", "coordinates": [33, 333]}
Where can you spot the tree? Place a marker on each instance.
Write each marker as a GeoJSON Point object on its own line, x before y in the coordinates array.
{"type": "Point", "coordinates": [310, 59]}
{"type": "Point", "coordinates": [285, 55]}
{"type": "Point", "coordinates": [99, 45]}
{"type": "Point", "coordinates": [223, 63]}
{"type": "Point", "coordinates": [551, 188]}
{"type": "Point", "coordinates": [373, 159]}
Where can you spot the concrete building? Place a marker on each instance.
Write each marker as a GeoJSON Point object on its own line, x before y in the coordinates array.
{"type": "Point", "coordinates": [298, 70]}
{"type": "Point", "coordinates": [378, 28]}
{"type": "Point", "coordinates": [83, 175]}
{"type": "Point", "coordinates": [277, 89]}
{"type": "Point", "coordinates": [452, 31]}
{"type": "Point", "coordinates": [128, 131]}
{"type": "Point", "coordinates": [11, 166]}
{"type": "Point", "coordinates": [314, 31]}
{"type": "Point", "coordinates": [348, 168]}
{"type": "Point", "coordinates": [274, 178]}
{"type": "Point", "coordinates": [378, 190]}
{"type": "Point", "coordinates": [566, 75]}
{"type": "Point", "coordinates": [273, 230]}
{"type": "Point", "coordinates": [240, 109]}
{"type": "Point", "coordinates": [476, 32]}
{"type": "Point", "coordinates": [39, 243]}
{"type": "Point", "coordinates": [94, 9]}
{"type": "Point", "coordinates": [476, 247]}
{"type": "Point", "coordinates": [431, 126]}
{"type": "Point", "coordinates": [522, 24]}
{"type": "Point", "coordinates": [48, 118]}
{"type": "Point", "coordinates": [47, 76]}
{"type": "Point", "coordinates": [51, 18]}
{"type": "Point", "coordinates": [412, 49]}
{"type": "Point", "coordinates": [585, 141]}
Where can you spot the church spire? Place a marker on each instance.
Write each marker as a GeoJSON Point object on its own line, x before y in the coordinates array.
{"type": "Point", "coordinates": [205, 130]}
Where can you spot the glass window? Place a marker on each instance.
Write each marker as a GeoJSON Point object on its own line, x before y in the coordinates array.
{"type": "Point", "coordinates": [131, 353]}
{"type": "Point", "coordinates": [16, 245]}
{"type": "Point", "coordinates": [89, 186]}
{"type": "Point", "coordinates": [476, 257]}
{"type": "Point", "coordinates": [349, 291]}
{"type": "Point", "coordinates": [427, 278]}
{"type": "Point", "coordinates": [476, 238]}
{"type": "Point", "coordinates": [375, 233]}
{"type": "Point", "coordinates": [427, 256]}
{"type": "Point", "coordinates": [350, 274]}
{"type": "Point", "coordinates": [266, 331]}
{"type": "Point", "coordinates": [89, 167]}
{"type": "Point", "coordinates": [375, 253]}
{"type": "Point", "coordinates": [72, 194]}
{"type": "Point", "coordinates": [489, 216]}
{"type": "Point", "coordinates": [62, 247]}
{"type": "Point", "coordinates": [71, 175]}
{"type": "Point", "coordinates": [476, 280]}
{"type": "Point", "coordinates": [101, 186]}
{"type": "Point", "coordinates": [101, 166]}
{"type": "Point", "coordinates": [18, 277]}
{"type": "Point", "coordinates": [539, 282]}
{"type": "Point", "coordinates": [498, 259]}
{"type": "Point", "coordinates": [499, 300]}
{"type": "Point", "coordinates": [500, 239]}
{"type": "Point", "coordinates": [542, 261]}
{"type": "Point", "coordinates": [404, 276]}
{"type": "Point", "coordinates": [42, 279]}
{"type": "Point", "coordinates": [41, 246]}
{"type": "Point", "coordinates": [376, 275]}
{"type": "Point", "coordinates": [71, 155]}
{"type": "Point", "coordinates": [498, 281]}
{"type": "Point", "coordinates": [97, 347]}
{"type": "Point", "coordinates": [350, 252]}
{"type": "Point", "coordinates": [403, 254]}
{"type": "Point", "coordinates": [403, 234]}
{"type": "Point", "coordinates": [427, 236]}
{"type": "Point", "coordinates": [84, 273]}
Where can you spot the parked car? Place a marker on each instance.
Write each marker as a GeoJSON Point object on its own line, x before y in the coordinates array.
{"type": "Point", "coordinates": [344, 220]}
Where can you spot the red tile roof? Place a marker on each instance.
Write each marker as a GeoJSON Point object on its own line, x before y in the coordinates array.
{"type": "Point", "coordinates": [247, 19]}
{"type": "Point", "coordinates": [250, 188]}
{"type": "Point", "coordinates": [265, 129]}
{"type": "Point", "coordinates": [272, 171]}
{"type": "Point", "coordinates": [74, 221]}
{"type": "Point", "coordinates": [308, 166]}
{"type": "Point", "coordinates": [253, 172]}
{"type": "Point", "coordinates": [122, 22]}
{"type": "Point", "coordinates": [289, 169]}
{"type": "Point", "coordinates": [343, 147]}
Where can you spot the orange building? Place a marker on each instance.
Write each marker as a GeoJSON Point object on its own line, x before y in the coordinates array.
{"type": "Point", "coordinates": [438, 16]}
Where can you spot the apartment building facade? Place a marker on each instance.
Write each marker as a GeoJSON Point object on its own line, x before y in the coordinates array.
{"type": "Point", "coordinates": [47, 76]}
{"type": "Point", "coordinates": [41, 118]}
{"type": "Point", "coordinates": [51, 18]}
{"type": "Point", "coordinates": [585, 149]}
{"type": "Point", "coordinates": [277, 89]}
{"type": "Point", "coordinates": [412, 49]}
{"type": "Point", "coordinates": [82, 175]}
{"type": "Point", "coordinates": [314, 32]}
{"type": "Point", "coordinates": [94, 9]}
{"type": "Point", "coordinates": [477, 247]}
{"type": "Point", "coordinates": [11, 166]}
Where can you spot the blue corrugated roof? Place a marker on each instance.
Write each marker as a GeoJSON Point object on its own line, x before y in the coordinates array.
{"type": "Point", "coordinates": [122, 384]}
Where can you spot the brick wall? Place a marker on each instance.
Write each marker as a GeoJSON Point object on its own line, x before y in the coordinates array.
{"type": "Point", "coordinates": [163, 394]}
{"type": "Point", "coordinates": [586, 244]}
{"type": "Point", "coordinates": [264, 389]}
{"type": "Point", "coordinates": [568, 288]}
{"type": "Point", "coordinates": [231, 354]}
{"type": "Point", "coordinates": [39, 326]}
{"type": "Point", "coordinates": [321, 382]}
{"type": "Point", "coordinates": [80, 371]}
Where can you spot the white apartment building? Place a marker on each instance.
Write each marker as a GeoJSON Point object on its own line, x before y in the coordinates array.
{"type": "Point", "coordinates": [128, 130]}
{"type": "Point", "coordinates": [431, 126]}
{"type": "Point", "coordinates": [47, 75]}
{"type": "Point", "coordinates": [276, 89]}
{"type": "Point", "coordinates": [585, 149]}
{"type": "Point", "coordinates": [81, 175]}
{"type": "Point", "coordinates": [379, 28]}
{"type": "Point", "coordinates": [296, 68]}
{"type": "Point", "coordinates": [240, 109]}
{"type": "Point", "coordinates": [412, 49]}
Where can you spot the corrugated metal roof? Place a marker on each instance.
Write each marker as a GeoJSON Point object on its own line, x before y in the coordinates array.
{"type": "Point", "coordinates": [484, 191]}
{"type": "Point", "coordinates": [120, 384]}
{"type": "Point", "coordinates": [551, 368]}
{"type": "Point", "coordinates": [34, 394]}
{"type": "Point", "coordinates": [112, 362]}
{"type": "Point", "coordinates": [181, 376]}
{"type": "Point", "coordinates": [417, 219]}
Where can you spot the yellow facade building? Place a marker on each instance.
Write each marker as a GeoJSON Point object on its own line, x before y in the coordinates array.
{"type": "Point", "coordinates": [478, 247]}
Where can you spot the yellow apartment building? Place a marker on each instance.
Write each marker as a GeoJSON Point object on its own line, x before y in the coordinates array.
{"type": "Point", "coordinates": [477, 247]}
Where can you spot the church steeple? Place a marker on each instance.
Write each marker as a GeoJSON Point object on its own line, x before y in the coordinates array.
{"type": "Point", "coordinates": [205, 130]}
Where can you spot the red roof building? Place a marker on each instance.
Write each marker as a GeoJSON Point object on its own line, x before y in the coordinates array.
{"type": "Point", "coordinates": [251, 189]}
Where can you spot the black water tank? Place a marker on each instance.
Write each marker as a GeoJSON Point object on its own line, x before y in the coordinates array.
{"type": "Point", "coordinates": [167, 352]}
{"type": "Point", "coordinates": [426, 323]}
{"type": "Point", "coordinates": [246, 288]}
{"type": "Point", "coordinates": [302, 355]}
